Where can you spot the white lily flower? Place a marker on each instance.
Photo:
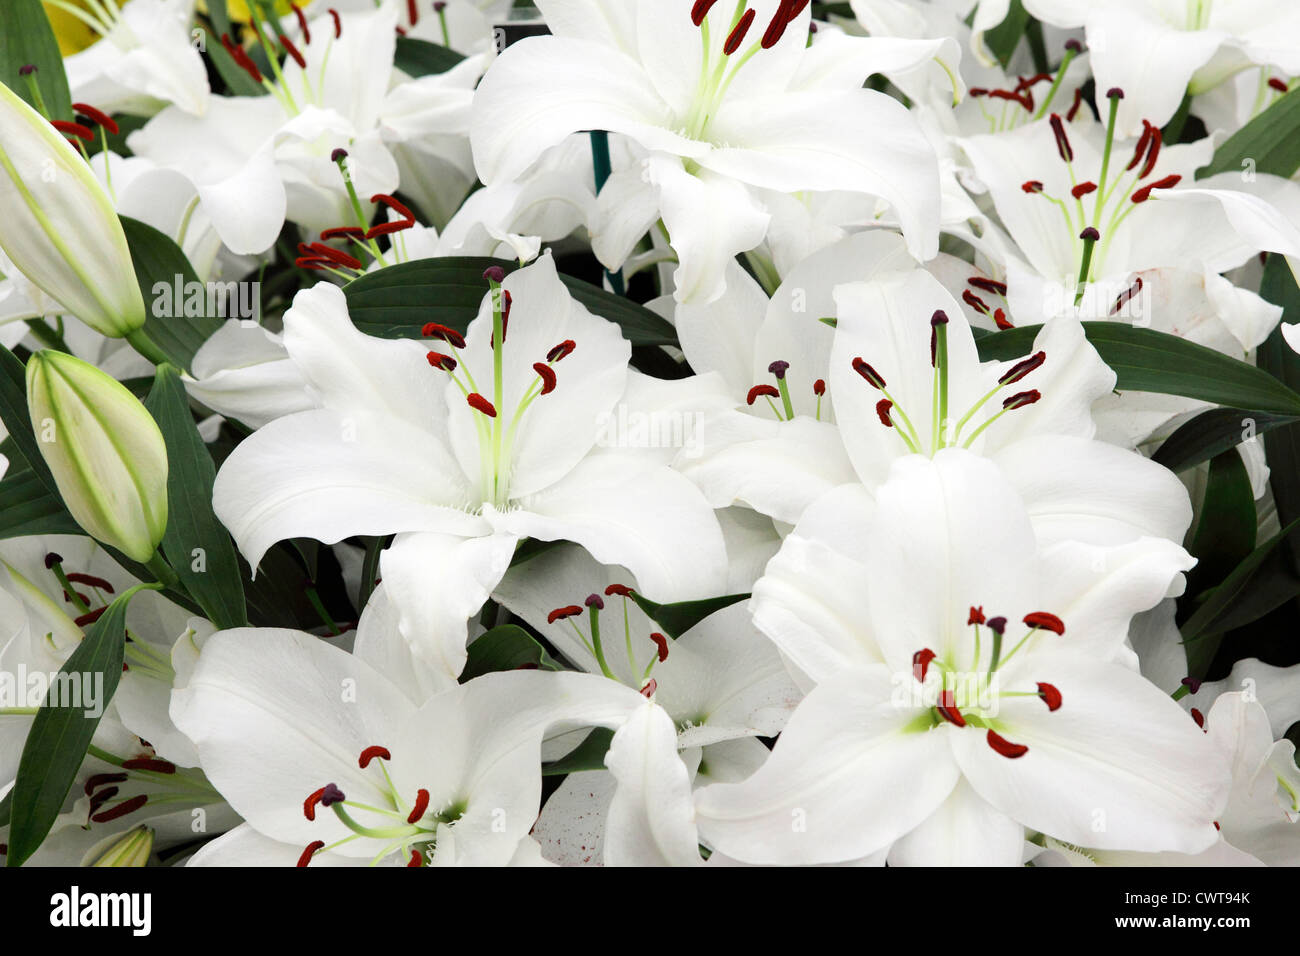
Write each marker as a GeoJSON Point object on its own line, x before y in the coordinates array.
{"type": "Point", "coordinates": [1044, 731]}
{"type": "Point", "coordinates": [462, 452]}
{"type": "Point", "coordinates": [343, 763]}
{"type": "Point", "coordinates": [723, 109]}
{"type": "Point", "coordinates": [146, 58]}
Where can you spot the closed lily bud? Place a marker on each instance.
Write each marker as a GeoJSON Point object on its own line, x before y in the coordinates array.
{"type": "Point", "coordinates": [58, 226]}
{"type": "Point", "coordinates": [132, 848]}
{"type": "Point", "coordinates": [105, 450]}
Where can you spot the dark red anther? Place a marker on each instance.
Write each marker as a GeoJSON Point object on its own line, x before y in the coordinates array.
{"type": "Point", "coordinates": [98, 117]}
{"type": "Point", "coordinates": [1127, 294]}
{"type": "Point", "coordinates": [1062, 141]}
{"type": "Point", "coordinates": [1031, 186]}
{"type": "Point", "coordinates": [661, 642]}
{"type": "Point", "coordinates": [760, 390]}
{"type": "Point", "coordinates": [786, 12]}
{"type": "Point", "coordinates": [651, 685]}
{"type": "Point", "coordinates": [242, 59]}
{"type": "Point", "coordinates": [309, 805]}
{"type": "Point", "coordinates": [1277, 84]}
{"type": "Point", "coordinates": [1199, 718]}
{"type": "Point", "coordinates": [73, 129]}
{"type": "Point", "coordinates": [1143, 142]}
{"type": "Point", "coordinates": [737, 34]}
{"type": "Point", "coordinates": [417, 858]}
{"type": "Point", "coordinates": [27, 69]}
{"type": "Point", "coordinates": [1153, 151]}
{"type": "Point", "coordinates": [121, 810]}
{"type": "Point", "coordinates": [342, 232]}
{"type": "Point", "coordinates": [1216, 824]}
{"type": "Point", "coordinates": [1021, 399]}
{"type": "Point", "coordinates": [338, 23]}
{"type": "Point", "coordinates": [1143, 194]}
{"type": "Point", "coordinates": [494, 274]}
{"type": "Point", "coordinates": [302, 22]}
{"type": "Point", "coordinates": [156, 764]}
{"type": "Point", "coordinates": [1114, 93]}
{"type": "Point", "coordinates": [1023, 368]}
{"type": "Point", "coordinates": [99, 798]}
{"type": "Point", "coordinates": [547, 375]}
{"type": "Point", "coordinates": [882, 412]}
{"type": "Point", "coordinates": [563, 350]}
{"type": "Point", "coordinates": [309, 852]}
{"type": "Point", "coordinates": [997, 625]}
{"type": "Point", "coordinates": [1045, 621]}
{"type": "Point", "coordinates": [1050, 695]}
{"type": "Point", "coordinates": [1083, 189]}
{"type": "Point", "coordinates": [560, 613]}
{"type": "Point", "coordinates": [974, 301]}
{"type": "Point", "coordinates": [421, 804]}
{"type": "Point", "coordinates": [481, 404]}
{"type": "Point", "coordinates": [947, 708]}
{"type": "Point", "coordinates": [921, 663]}
{"type": "Point", "coordinates": [90, 617]}
{"type": "Point", "coordinates": [52, 559]}
{"type": "Point", "coordinates": [622, 590]}
{"type": "Point", "coordinates": [438, 360]}
{"type": "Point", "coordinates": [436, 330]}
{"type": "Point", "coordinates": [988, 285]}
{"type": "Point", "coordinates": [1024, 99]}
{"type": "Point", "coordinates": [701, 10]}
{"type": "Point", "coordinates": [319, 250]}
{"type": "Point", "coordinates": [331, 795]}
{"type": "Point", "coordinates": [100, 779]}
{"type": "Point", "coordinates": [1074, 45]}
{"type": "Point", "coordinates": [1029, 82]}
{"type": "Point", "coordinates": [370, 753]}
{"type": "Point", "coordinates": [1005, 747]}
{"type": "Point", "coordinates": [1192, 684]}
{"type": "Point", "coordinates": [939, 318]}
{"type": "Point", "coordinates": [779, 368]}
{"type": "Point", "coordinates": [1001, 321]}
{"type": "Point", "coordinates": [90, 580]}
{"type": "Point", "coordinates": [864, 369]}
{"type": "Point", "coordinates": [819, 387]}
{"type": "Point", "coordinates": [596, 601]}
{"type": "Point", "coordinates": [1090, 234]}
{"type": "Point", "coordinates": [976, 615]}
{"type": "Point", "coordinates": [292, 50]}
{"type": "Point", "coordinates": [1073, 111]}
{"type": "Point", "coordinates": [412, 14]}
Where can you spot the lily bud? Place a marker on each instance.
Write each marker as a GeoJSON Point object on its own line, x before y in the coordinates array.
{"type": "Point", "coordinates": [105, 450]}
{"type": "Point", "coordinates": [130, 849]}
{"type": "Point", "coordinates": [58, 226]}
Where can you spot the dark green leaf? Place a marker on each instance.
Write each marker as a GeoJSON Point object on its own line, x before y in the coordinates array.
{"type": "Point", "coordinates": [398, 301]}
{"type": "Point", "coordinates": [677, 619]}
{"type": "Point", "coordinates": [588, 755]}
{"type": "Point", "coordinates": [17, 421]}
{"type": "Point", "coordinates": [506, 648]}
{"type": "Point", "coordinates": [29, 508]}
{"type": "Point", "coordinates": [239, 82]}
{"type": "Point", "coordinates": [26, 37]}
{"type": "Point", "coordinates": [1260, 583]}
{"type": "Point", "coordinates": [1282, 447]}
{"type": "Point", "coordinates": [1225, 531]}
{"type": "Point", "coordinates": [157, 261]}
{"type": "Point", "coordinates": [1145, 360]}
{"type": "Point", "coordinates": [420, 57]}
{"type": "Point", "coordinates": [1270, 143]}
{"type": "Point", "coordinates": [196, 544]}
{"type": "Point", "coordinates": [1003, 39]}
{"type": "Point", "coordinates": [56, 744]}
{"type": "Point", "coordinates": [1213, 432]}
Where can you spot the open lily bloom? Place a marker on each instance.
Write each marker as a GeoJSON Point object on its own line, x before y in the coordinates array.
{"type": "Point", "coordinates": [720, 685]}
{"type": "Point", "coordinates": [464, 450]}
{"type": "Point", "coordinates": [726, 100]}
{"type": "Point", "coordinates": [345, 770]}
{"type": "Point", "coordinates": [987, 672]}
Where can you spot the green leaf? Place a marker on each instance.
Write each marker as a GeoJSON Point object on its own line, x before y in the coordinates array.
{"type": "Point", "coordinates": [1270, 143]}
{"type": "Point", "coordinates": [1225, 531]}
{"type": "Point", "coordinates": [1145, 360]}
{"type": "Point", "coordinates": [1213, 432]}
{"type": "Point", "coordinates": [418, 58]}
{"type": "Point", "coordinates": [159, 260]}
{"type": "Point", "coordinates": [1275, 356]}
{"type": "Point", "coordinates": [194, 535]}
{"type": "Point", "coordinates": [1003, 39]}
{"type": "Point", "coordinates": [506, 648]}
{"type": "Point", "coordinates": [588, 755]}
{"type": "Point", "coordinates": [239, 82]}
{"type": "Point", "coordinates": [57, 742]}
{"type": "Point", "coordinates": [17, 421]}
{"type": "Point", "coordinates": [398, 301]}
{"type": "Point", "coordinates": [1258, 585]}
{"type": "Point", "coordinates": [27, 37]}
{"type": "Point", "coordinates": [29, 508]}
{"type": "Point", "coordinates": [677, 619]}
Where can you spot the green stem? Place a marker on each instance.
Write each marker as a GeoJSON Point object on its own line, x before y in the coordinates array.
{"type": "Point", "coordinates": [142, 343]}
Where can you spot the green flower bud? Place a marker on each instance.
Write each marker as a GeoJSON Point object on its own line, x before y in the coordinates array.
{"type": "Point", "coordinates": [58, 225]}
{"type": "Point", "coordinates": [105, 450]}
{"type": "Point", "coordinates": [130, 849]}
